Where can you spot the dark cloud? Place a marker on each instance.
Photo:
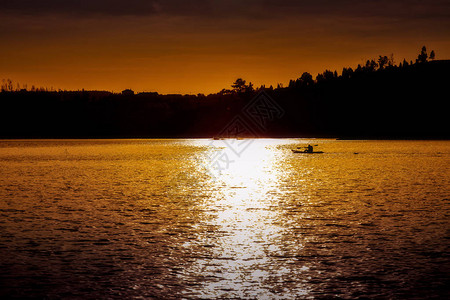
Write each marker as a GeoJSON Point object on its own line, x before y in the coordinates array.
{"type": "Point", "coordinates": [104, 7]}
{"type": "Point", "coordinates": [232, 8]}
{"type": "Point", "coordinates": [364, 8]}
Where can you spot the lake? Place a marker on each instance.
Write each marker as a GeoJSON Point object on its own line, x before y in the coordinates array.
{"type": "Point", "coordinates": [240, 219]}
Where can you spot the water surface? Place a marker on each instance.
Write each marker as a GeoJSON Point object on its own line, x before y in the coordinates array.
{"type": "Point", "coordinates": [224, 219]}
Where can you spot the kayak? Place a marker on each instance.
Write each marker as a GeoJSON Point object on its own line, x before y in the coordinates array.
{"type": "Point", "coordinates": [305, 152]}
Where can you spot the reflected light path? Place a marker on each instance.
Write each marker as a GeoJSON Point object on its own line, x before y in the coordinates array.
{"type": "Point", "coordinates": [246, 234]}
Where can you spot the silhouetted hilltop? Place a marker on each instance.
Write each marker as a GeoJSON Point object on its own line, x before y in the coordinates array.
{"type": "Point", "coordinates": [377, 100]}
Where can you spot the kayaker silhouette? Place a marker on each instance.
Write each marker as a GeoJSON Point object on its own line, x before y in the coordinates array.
{"type": "Point", "coordinates": [309, 149]}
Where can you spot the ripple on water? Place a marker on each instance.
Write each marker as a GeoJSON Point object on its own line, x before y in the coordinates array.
{"type": "Point", "coordinates": [142, 218]}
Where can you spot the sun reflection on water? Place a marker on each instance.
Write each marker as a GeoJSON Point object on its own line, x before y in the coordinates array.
{"type": "Point", "coordinates": [245, 216]}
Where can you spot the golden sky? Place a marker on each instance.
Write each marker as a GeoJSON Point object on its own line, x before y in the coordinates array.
{"type": "Point", "coordinates": [202, 46]}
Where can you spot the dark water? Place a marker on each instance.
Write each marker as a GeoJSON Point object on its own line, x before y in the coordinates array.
{"type": "Point", "coordinates": [230, 219]}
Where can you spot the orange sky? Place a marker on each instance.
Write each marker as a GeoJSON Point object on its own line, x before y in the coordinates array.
{"type": "Point", "coordinates": [172, 47]}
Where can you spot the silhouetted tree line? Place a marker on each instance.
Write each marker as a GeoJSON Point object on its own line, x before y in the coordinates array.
{"type": "Point", "coordinates": [378, 99]}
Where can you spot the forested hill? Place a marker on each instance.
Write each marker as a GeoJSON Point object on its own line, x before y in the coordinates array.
{"type": "Point", "coordinates": [377, 100]}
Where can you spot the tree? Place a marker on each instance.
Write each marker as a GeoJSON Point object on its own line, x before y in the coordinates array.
{"type": "Point", "coordinates": [320, 78]}
{"type": "Point", "coordinates": [359, 69]}
{"type": "Point", "coordinates": [371, 65]}
{"type": "Point", "coordinates": [7, 85]}
{"type": "Point", "coordinates": [423, 56]}
{"type": "Point", "coordinates": [239, 86]}
{"type": "Point", "coordinates": [432, 55]}
{"type": "Point", "coordinates": [329, 75]}
{"type": "Point", "coordinates": [382, 62]}
{"type": "Point", "coordinates": [292, 83]}
{"type": "Point", "coordinates": [405, 63]}
{"type": "Point", "coordinates": [347, 73]}
{"type": "Point", "coordinates": [226, 92]}
{"type": "Point", "coordinates": [249, 88]}
{"type": "Point", "coordinates": [306, 79]}
{"type": "Point", "coordinates": [391, 61]}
